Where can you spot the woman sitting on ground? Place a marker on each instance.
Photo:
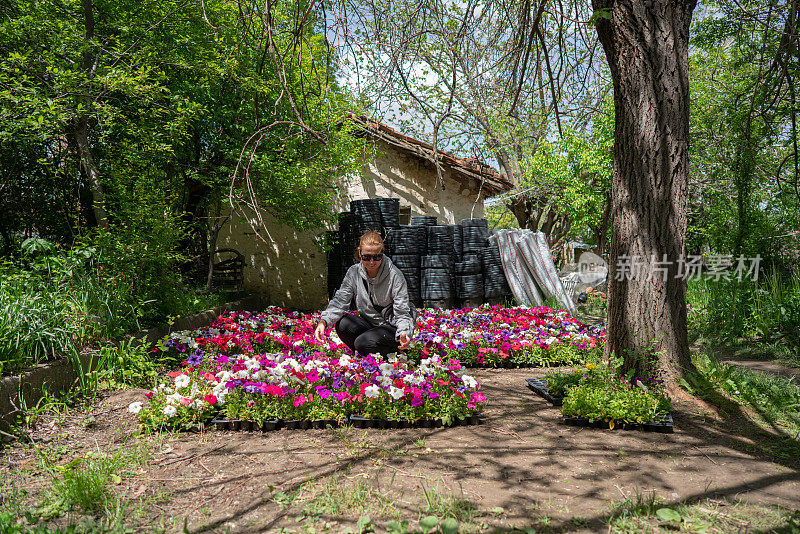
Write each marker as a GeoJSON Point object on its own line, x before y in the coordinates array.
{"type": "Point", "coordinates": [386, 318]}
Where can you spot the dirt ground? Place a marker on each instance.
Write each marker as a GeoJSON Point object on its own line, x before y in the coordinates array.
{"type": "Point", "coordinates": [538, 471]}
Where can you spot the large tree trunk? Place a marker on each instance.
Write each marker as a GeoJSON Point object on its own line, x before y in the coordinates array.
{"type": "Point", "coordinates": [81, 130]}
{"type": "Point", "coordinates": [91, 172]}
{"type": "Point", "coordinates": [536, 212]}
{"type": "Point", "coordinates": [646, 44]}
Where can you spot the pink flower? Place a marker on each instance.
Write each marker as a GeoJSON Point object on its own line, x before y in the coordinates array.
{"type": "Point", "coordinates": [186, 401]}
{"type": "Point", "coordinates": [149, 394]}
{"type": "Point", "coordinates": [211, 399]}
{"type": "Point", "coordinates": [299, 401]}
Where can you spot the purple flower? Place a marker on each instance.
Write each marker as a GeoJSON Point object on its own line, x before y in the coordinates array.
{"type": "Point", "coordinates": [195, 358]}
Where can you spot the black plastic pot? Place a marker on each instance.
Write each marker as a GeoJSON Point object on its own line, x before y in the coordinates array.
{"type": "Point", "coordinates": [540, 388]}
{"type": "Point", "coordinates": [268, 425]}
{"type": "Point", "coordinates": [664, 425]}
{"type": "Point", "coordinates": [297, 424]}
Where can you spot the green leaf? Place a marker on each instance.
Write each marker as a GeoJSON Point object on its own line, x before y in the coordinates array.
{"type": "Point", "coordinates": [428, 523]}
{"type": "Point", "coordinates": [363, 523]}
{"type": "Point", "coordinates": [686, 386]}
{"type": "Point", "coordinates": [449, 526]}
{"type": "Point", "coordinates": [397, 527]}
{"type": "Point", "coordinates": [668, 514]}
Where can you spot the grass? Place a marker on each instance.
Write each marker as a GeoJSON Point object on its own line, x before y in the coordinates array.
{"type": "Point", "coordinates": [86, 483]}
{"type": "Point", "coordinates": [596, 305]}
{"type": "Point", "coordinates": [734, 313]}
{"type": "Point", "coordinates": [773, 400]}
{"type": "Point", "coordinates": [340, 497]}
{"type": "Point", "coordinates": [49, 313]}
{"type": "Point", "coordinates": [437, 502]}
{"type": "Point", "coordinates": [649, 513]}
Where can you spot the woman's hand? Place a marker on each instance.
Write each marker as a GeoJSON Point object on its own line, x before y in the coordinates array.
{"type": "Point", "coordinates": [404, 341]}
{"type": "Point", "coordinates": [319, 333]}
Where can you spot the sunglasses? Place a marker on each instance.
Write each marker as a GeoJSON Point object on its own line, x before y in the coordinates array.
{"type": "Point", "coordinates": [372, 257]}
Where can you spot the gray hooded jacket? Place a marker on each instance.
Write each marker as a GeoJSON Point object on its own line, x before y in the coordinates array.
{"type": "Point", "coordinates": [388, 290]}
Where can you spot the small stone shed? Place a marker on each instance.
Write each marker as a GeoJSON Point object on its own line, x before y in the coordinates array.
{"type": "Point", "coordinates": [290, 270]}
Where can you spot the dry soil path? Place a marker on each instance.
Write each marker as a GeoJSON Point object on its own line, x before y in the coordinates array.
{"type": "Point", "coordinates": [521, 459]}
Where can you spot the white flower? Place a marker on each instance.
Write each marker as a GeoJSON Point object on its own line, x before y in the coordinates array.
{"type": "Point", "coordinates": [395, 393]}
{"type": "Point", "coordinates": [469, 381]}
{"type": "Point", "coordinates": [181, 381]}
{"type": "Point", "coordinates": [386, 368]}
{"type": "Point", "coordinates": [414, 380]}
{"type": "Point", "coordinates": [135, 407]}
{"type": "Point", "coordinates": [170, 411]}
{"type": "Point", "coordinates": [344, 360]}
{"type": "Point", "coordinates": [386, 381]}
{"type": "Point", "coordinates": [372, 391]}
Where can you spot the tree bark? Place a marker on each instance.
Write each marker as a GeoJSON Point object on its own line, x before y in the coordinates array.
{"type": "Point", "coordinates": [646, 44]}
{"type": "Point", "coordinates": [80, 131]}
{"type": "Point", "coordinates": [535, 212]}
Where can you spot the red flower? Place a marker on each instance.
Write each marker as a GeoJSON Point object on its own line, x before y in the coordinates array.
{"type": "Point", "coordinates": [173, 374]}
{"type": "Point", "coordinates": [211, 399]}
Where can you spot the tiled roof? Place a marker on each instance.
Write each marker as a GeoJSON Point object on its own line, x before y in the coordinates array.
{"type": "Point", "coordinates": [462, 169]}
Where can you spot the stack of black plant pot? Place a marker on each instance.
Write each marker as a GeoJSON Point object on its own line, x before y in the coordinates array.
{"type": "Point", "coordinates": [366, 215]}
{"type": "Point", "coordinates": [390, 213]}
{"type": "Point", "coordinates": [423, 220]}
{"type": "Point", "coordinates": [348, 240]}
{"type": "Point", "coordinates": [444, 265]}
{"type": "Point", "coordinates": [438, 278]}
{"type": "Point", "coordinates": [334, 263]}
{"type": "Point", "coordinates": [495, 285]}
{"type": "Point", "coordinates": [407, 245]}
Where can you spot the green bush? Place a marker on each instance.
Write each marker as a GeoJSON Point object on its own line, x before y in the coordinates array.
{"type": "Point", "coordinates": [55, 302]}
{"type": "Point", "coordinates": [559, 382]}
{"type": "Point", "coordinates": [776, 310]}
{"type": "Point", "coordinates": [609, 401]}
{"type": "Point", "coordinates": [728, 310]}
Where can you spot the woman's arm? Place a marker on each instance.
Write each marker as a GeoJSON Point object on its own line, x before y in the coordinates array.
{"type": "Point", "coordinates": [402, 307]}
{"type": "Point", "coordinates": [341, 299]}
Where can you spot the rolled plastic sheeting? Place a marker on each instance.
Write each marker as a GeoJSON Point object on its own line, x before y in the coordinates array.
{"type": "Point", "coordinates": [522, 283]}
{"type": "Point", "coordinates": [529, 268]}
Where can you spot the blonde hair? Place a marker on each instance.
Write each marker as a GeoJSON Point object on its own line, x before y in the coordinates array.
{"type": "Point", "coordinates": [370, 237]}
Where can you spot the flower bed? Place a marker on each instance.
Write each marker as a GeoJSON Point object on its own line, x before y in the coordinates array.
{"type": "Point", "coordinates": [592, 396]}
{"type": "Point", "coordinates": [267, 366]}
{"type": "Point", "coordinates": [226, 375]}
{"type": "Point", "coordinates": [506, 337]}
{"type": "Point", "coordinates": [478, 337]}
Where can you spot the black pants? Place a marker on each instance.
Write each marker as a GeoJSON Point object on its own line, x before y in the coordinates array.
{"type": "Point", "coordinates": [363, 338]}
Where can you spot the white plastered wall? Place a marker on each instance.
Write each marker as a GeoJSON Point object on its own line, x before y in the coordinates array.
{"type": "Point", "coordinates": [289, 269]}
